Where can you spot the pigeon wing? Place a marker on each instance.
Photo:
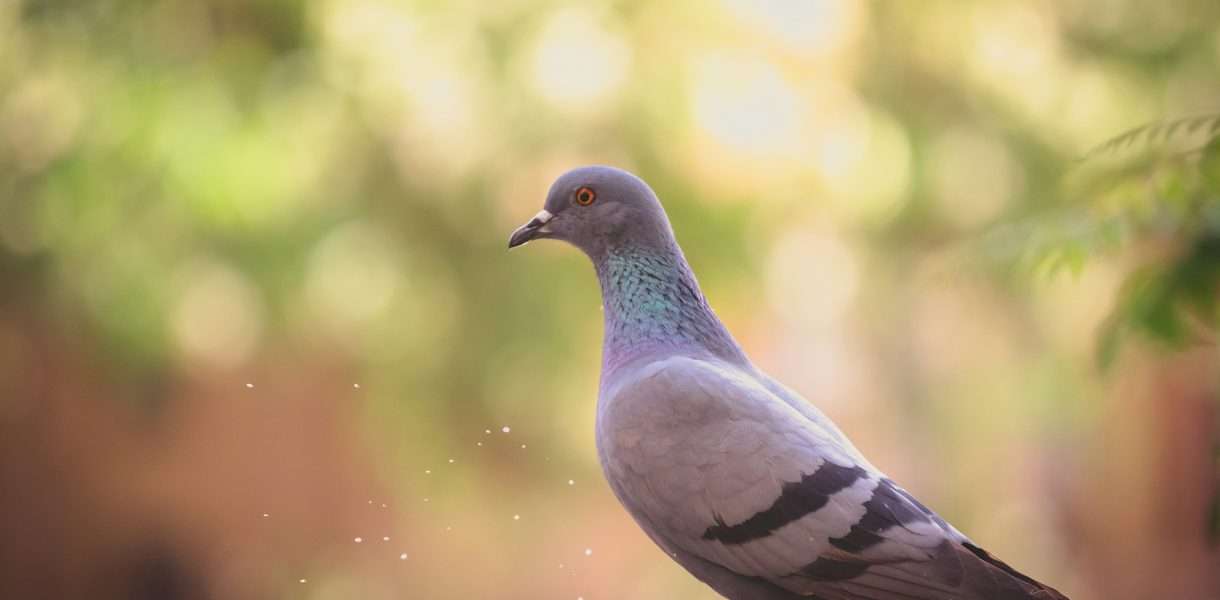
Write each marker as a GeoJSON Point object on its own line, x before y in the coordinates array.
{"type": "Point", "coordinates": [714, 464]}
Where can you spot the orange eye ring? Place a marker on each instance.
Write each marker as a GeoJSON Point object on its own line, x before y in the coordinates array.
{"type": "Point", "coordinates": [585, 196]}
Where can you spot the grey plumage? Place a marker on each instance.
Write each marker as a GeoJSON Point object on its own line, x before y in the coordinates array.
{"type": "Point", "coordinates": [736, 477]}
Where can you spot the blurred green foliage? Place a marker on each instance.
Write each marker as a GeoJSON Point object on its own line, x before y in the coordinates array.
{"type": "Point", "coordinates": [197, 193]}
{"type": "Point", "coordinates": [1154, 187]}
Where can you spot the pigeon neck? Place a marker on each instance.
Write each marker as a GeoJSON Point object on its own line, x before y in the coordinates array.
{"type": "Point", "coordinates": [652, 303]}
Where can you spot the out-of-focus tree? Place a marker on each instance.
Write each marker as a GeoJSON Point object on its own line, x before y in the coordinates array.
{"type": "Point", "coordinates": [251, 263]}
{"type": "Point", "coordinates": [1153, 195]}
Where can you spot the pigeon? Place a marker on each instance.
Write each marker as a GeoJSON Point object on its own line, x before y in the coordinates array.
{"type": "Point", "coordinates": [738, 478]}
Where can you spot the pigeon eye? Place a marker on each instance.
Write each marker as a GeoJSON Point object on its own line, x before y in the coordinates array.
{"type": "Point", "coordinates": [585, 196]}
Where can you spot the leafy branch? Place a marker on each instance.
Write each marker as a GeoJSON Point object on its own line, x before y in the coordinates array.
{"type": "Point", "coordinates": [1153, 190]}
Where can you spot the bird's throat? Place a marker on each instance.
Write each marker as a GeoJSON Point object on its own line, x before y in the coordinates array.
{"type": "Point", "coordinates": [653, 303]}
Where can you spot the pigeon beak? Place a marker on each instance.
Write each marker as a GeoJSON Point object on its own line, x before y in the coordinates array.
{"type": "Point", "coordinates": [531, 230]}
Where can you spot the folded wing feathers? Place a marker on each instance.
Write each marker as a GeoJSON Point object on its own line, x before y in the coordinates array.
{"type": "Point", "coordinates": [796, 500]}
{"type": "Point", "coordinates": [766, 493]}
{"type": "Point", "coordinates": [872, 541]}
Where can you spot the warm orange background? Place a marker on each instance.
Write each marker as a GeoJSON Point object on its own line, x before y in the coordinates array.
{"type": "Point", "coordinates": [254, 294]}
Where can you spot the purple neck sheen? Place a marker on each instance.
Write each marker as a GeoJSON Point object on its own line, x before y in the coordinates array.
{"type": "Point", "coordinates": [653, 305]}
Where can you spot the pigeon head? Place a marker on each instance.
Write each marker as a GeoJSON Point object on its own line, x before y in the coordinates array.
{"type": "Point", "coordinates": [598, 209]}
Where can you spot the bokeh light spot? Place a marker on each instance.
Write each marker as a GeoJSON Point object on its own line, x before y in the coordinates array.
{"type": "Point", "coordinates": [812, 278]}
{"type": "Point", "coordinates": [578, 63]}
{"type": "Point", "coordinates": [973, 177]}
{"type": "Point", "coordinates": [219, 317]}
{"type": "Point", "coordinates": [353, 275]}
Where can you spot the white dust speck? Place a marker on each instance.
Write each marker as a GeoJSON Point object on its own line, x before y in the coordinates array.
{"type": "Point", "coordinates": [302, 581]}
{"type": "Point", "coordinates": [358, 540]}
{"type": "Point", "coordinates": [487, 431]}
{"type": "Point", "coordinates": [425, 499]}
{"type": "Point", "coordinates": [478, 443]}
{"type": "Point", "coordinates": [516, 517]}
{"type": "Point", "coordinates": [249, 385]}
{"type": "Point", "coordinates": [448, 528]}
{"type": "Point", "coordinates": [506, 429]}
{"type": "Point", "coordinates": [588, 552]}
{"type": "Point", "coordinates": [522, 446]}
{"type": "Point", "coordinates": [385, 538]}
{"type": "Point", "coordinates": [402, 556]}
{"type": "Point", "coordinates": [571, 482]}
{"type": "Point", "coordinates": [383, 505]}
{"type": "Point", "coordinates": [560, 565]}
{"type": "Point", "coordinates": [265, 515]}
{"type": "Point", "coordinates": [355, 386]}
{"type": "Point", "coordinates": [427, 471]}
{"type": "Point", "coordinates": [370, 501]}
{"type": "Point", "coordinates": [451, 461]}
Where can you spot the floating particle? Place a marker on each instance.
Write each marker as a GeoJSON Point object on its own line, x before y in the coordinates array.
{"type": "Point", "coordinates": [523, 446]}
{"type": "Point", "coordinates": [506, 429]}
{"type": "Point", "coordinates": [571, 482]}
{"type": "Point", "coordinates": [356, 386]}
{"type": "Point", "coordinates": [451, 461]}
{"type": "Point", "coordinates": [588, 552]}
{"type": "Point", "coordinates": [358, 540]}
{"type": "Point", "coordinates": [487, 431]}
{"type": "Point", "coordinates": [265, 515]}
{"type": "Point", "coordinates": [402, 556]}
{"type": "Point", "coordinates": [427, 471]}
{"type": "Point", "coordinates": [383, 505]}
{"type": "Point", "coordinates": [385, 538]}
{"type": "Point", "coordinates": [478, 443]}
{"type": "Point", "coordinates": [516, 517]}
{"type": "Point", "coordinates": [425, 499]}
{"type": "Point", "coordinates": [302, 581]}
{"type": "Point", "coordinates": [249, 385]}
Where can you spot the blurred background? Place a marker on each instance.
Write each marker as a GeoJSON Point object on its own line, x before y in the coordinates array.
{"type": "Point", "coordinates": [260, 336]}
